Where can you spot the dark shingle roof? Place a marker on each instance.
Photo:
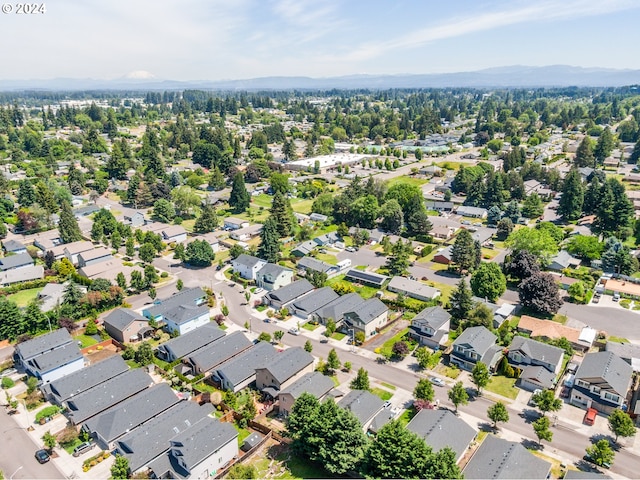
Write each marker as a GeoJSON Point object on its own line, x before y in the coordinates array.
{"type": "Point", "coordinates": [363, 404]}
{"type": "Point", "coordinates": [291, 291]}
{"type": "Point", "coordinates": [368, 310]}
{"type": "Point", "coordinates": [219, 351]}
{"type": "Point", "coordinates": [609, 367]}
{"type": "Point", "coordinates": [121, 318]}
{"type": "Point", "coordinates": [434, 317]}
{"type": "Point", "coordinates": [480, 339]}
{"type": "Point", "coordinates": [314, 383]}
{"type": "Point", "coordinates": [538, 375]}
{"type": "Point", "coordinates": [537, 350]}
{"type": "Point", "coordinates": [243, 365]}
{"type": "Point", "coordinates": [412, 287]}
{"type": "Point", "coordinates": [12, 245]}
{"type": "Point", "coordinates": [441, 428]}
{"type": "Point", "coordinates": [15, 261]}
{"type": "Point", "coordinates": [185, 313]}
{"type": "Point", "coordinates": [337, 308]}
{"type": "Point", "coordinates": [55, 358]}
{"type": "Point", "coordinates": [191, 341]}
{"type": "Point", "coordinates": [315, 300]}
{"type": "Point", "coordinates": [88, 377]}
{"type": "Point", "coordinates": [366, 277]}
{"type": "Point", "coordinates": [271, 270]}
{"type": "Point", "coordinates": [310, 263]}
{"type": "Point", "coordinates": [43, 343]}
{"type": "Point", "coordinates": [248, 261]}
{"type": "Point", "coordinates": [500, 459]}
{"type": "Point", "coordinates": [288, 363]}
{"type": "Point", "coordinates": [124, 417]}
{"type": "Point", "coordinates": [187, 296]}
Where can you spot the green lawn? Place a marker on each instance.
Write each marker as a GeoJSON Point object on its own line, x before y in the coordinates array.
{"type": "Point", "coordinates": [406, 416]}
{"type": "Point", "coordinates": [327, 258]}
{"type": "Point", "coordinates": [310, 326]}
{"type": "Point", "coordinates": [450, 372]}
{"type": "Point", "coordinates": [617, 339]}
{"type": "Point", "coordinates": [262, 200]}
{"type": "Point", "coordinates": [383, 394]}
{"type": "Point", "coordinates": [503, 386]}
{"type": "Point", "coordinates": [338, 336]}
{"type": "Point", "coordinates": [242, 433]}
{"type": "Point", "coordinates": [386, 349]}
{"type": "Point", "coordinates": [301, 205]}
{"type": "Point", "coordinates": [407, 180]}
{"type": "Point", "coordinates": [388, 385]}
{"type": "Point", "coordinates": [68, 447]}
{"type": "Point", "coordinates": [189, 224]}
{"type": "Point", "coordinates": [86, 340]}
{"type": "Point", "coordinates": [23, 297]}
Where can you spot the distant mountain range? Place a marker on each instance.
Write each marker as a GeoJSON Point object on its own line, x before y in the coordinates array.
{"type": "Point", "coordinates": [513, 76]}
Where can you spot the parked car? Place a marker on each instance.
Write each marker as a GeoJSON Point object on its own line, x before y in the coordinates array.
{"type": "Point", "coordinates": [258, 290]}
{"type": "Point", "coordinates": [437, 381]}
{"type": "Point", "coordinates": [616, 297]}
{"type": "Point", "coordinates": [294, 331]}
{"type": "Point", "coordinates": [564, 393]}
{"type": "Point", "coordinates": [83, 448]}
{"type": "Point", "coordinates": [590, 416]}
{"type": "Point", "coordinates": [532, 403]}
{"type": "Point", "coordinates": [8, 372]}
{"type": "Point", "coordinates": [590, 459]}
{"type": "Point", "coordinates": [351, 249]}
{"type": "Point", "coordinates": [42, 456]}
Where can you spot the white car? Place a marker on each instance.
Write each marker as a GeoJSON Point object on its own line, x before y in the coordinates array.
{"type": "Point", "coordinates": [437, 381]}
{"type": "Point", "coordinates": [258, 290]}
{"type": "Point", "coordinates": [294, 331]}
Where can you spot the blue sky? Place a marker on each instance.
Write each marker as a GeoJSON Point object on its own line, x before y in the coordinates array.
{"type": "Point", "coordinates": [234, 39]}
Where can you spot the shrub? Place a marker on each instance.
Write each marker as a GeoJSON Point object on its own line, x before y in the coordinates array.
{"type": "Point", "coordinates": [47, 412]}
{"type": "Point", "coordinates": [7, 383]}
{"type": "Point", "coordinates": [164, 275]}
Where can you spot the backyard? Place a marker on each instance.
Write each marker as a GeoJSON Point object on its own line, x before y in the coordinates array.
{"type": "Point", "coordinates": [24, 297]}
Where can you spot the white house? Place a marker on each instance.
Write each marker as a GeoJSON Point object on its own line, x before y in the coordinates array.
{"type": "Point", "coordinates": [185, 318]}
{"type": "Point", "coordinates": [247, 266]}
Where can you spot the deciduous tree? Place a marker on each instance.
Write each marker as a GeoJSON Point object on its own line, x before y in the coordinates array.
{"type": "Point", "coordinates": [361, 380]}
{"type": "Point", "coordinates": [424, 390]}
{"type": "Point", "coordinates": [541, 430]}
{"type": "Point", "coordinates": [621, 424]}
{"type": "Point", "coordinates": [488, 281]}
{"type": "Point", "coordinates": [458, 395]}
{"type": "Point", "coordinates": [480, 376]}
{"type": "Point", "coordinates": [498, 413]}
{"type": "Point", "coordinates": [540, 293]}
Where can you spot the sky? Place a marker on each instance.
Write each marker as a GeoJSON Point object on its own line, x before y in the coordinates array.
{"type": "Point", "coordinates": [238, 39]}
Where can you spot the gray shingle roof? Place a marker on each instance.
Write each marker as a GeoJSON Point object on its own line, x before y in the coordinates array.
{"type": "Point", "coordinates": [305, 247]}
{"type": "Point", "coordinates": [412, 287]}
{"type": "Point", "coordinates": [24, 274]}
{"type": "Point", "coordinates": [185, 313]}
{"type": "Point", "coordinates": [43, 343]}
{"type": "Point", "coordinates": [243, 365]}
{"type": "Point", "coordinates": [434, 317]}
{"type": "Point", "coordinates": [441, 428]}
{"type": "Point", "coordinates": [271, 270]}
{"type": "Point", "coordinates": [94, 254]}
{"type": "Point", "coordinates": [82, 380]}
{"type": "Point", "coordinates": [609, 367]}
{"type": "Point", "coordinates": [368, 310]}
{"type": "Point", "coordinates": [314, 383]}
{"type": "Point", "coordinates": [564, 259]}
{"type": "Point", "coordinates": [219, 351]}
{"type": "Point", "coordinates": [580, 475]}
{"type": "Point", "coordinates": [15, 261]}
{"type": "Point", "coordinates": [288, 363]}
{"type": "Point", "coordinates": [121, 318]}
{"type": "Point", "coordinates": [187, 296]}
{"type": "Point", "coordinates": [150, 440]}
{"type": "Point", "coordinates": [191, 341]}
{"type": "Point", "coordinates": [363, 404]}
{"type": "Point", "coordinates": [55, 358]}
{"type": "Point", "coordinates": [248, 261]}
{"type": "Point", "coordinates": [626, 351]}
{"type": "Point", "coordinates": [194, 446]}
{"type": "Point", "coordinates": [500, 459]}
{"type": "Point", "coordinates": [133, 412]}
{"type": "Point", "coordinates": [383, 417]}
{"type": "Point", "coordinates": [337, 308]}
{"type": "Point", "coordinates": [12, 245]}
{"type": "Point", "coordinates": [538, 375]}
{"type": "Point", "coordinates": [291, 291]}
{"type": "Point", "coordinates": [315, 300]}
{"type": "Point", "coordinates": [310, 263]}
{"type": "Point", "coordinates": [366, 277]}
{"type": "Point", "coordinates": [105, 395]}
{"type": "Point", "coordinates": [480, 339]}
{"type": "Point", "coordinates": [537, 350]}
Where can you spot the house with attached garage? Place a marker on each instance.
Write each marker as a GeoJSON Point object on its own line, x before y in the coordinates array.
{"type": "Point", "coordinates": [563, 260]}
{"type": "Point", "coordinates": [49, 357]}
{"type": "Point", "coordinates": [135, 220]}
{"type": "Point", "coordinates": [309, 263]}
{"type": "Point", "coordinates": [125, 325]}
{"type": "Point", "coordinates": [310, 303]}
{"type": "Point", "coordinates": [337, 308]}
{"type": "Point", "coordinates": [413, 289]}
{"type": "Point", "coordinates": [75, 383]}
{"type": "Point", "coordinates": [174, 234]}
{"type": "Point", "coordinates": [304, 248]}
{"type": "Point", "coordinates": [601, 382]}
{"type": "Point", "coordinates": [111, 424]}
{"type": "Point", "coordinates": [500, 312]}
{"type": "Point", "coordinates": [13, 246]}
{"type": "Point", "coordinates": [147, 442]}
{"type": "Point", "coordinates": [205, 359]}
{"type": "Point", "coordinates": [364, 405]}
{"type": "Point", "coordinates": [201, 451]}
{"type": "Point", "coordinates": [315, 383]}
{"type": "Point", "coordinates": [246, 233]}
{"type": "Point", "coordinates": [247, 266]}
{"type": "Point", "coordinates": [24, 274]}
{"type": "Point", "coordinates": [430, 327]}
{"type": "Point", "coordinates": [240, 371]}
{"type": "Point", "coordinates": [282, 297]}
{"type": "Point", "coordinates": [443, 256]}
{"type": "Point", "coordinates": [285, 368]}
{"type": "Point", "coordinates": [476, 344]}
{"type": "Point", "coordinates": [188, 296]}
{"type": "Point", "coordinates": [272, 277]}
{"type": "Point", "coordinates": [93, 256]}
{"type": "Point", "coordinates": [233, 223]}
{"type": "Point", "coordinates": [442, 428]}
{"type": "Point", "coordinates": [184, 345]}
{"type": "Point", "coordinates": [72, 250]}
{"type": "Point", "coordinates": [13, 262]}
{"type": "Point", "coordinates": [185, 318]}
{"type": "Point", "coordinates": [540, 363]}
{"type": "Point", "coordinates": [368, 278]}
{"type": "Point", "coordinates": [473, 212]}
{"type": "Point", "coordinates": [367, 318]}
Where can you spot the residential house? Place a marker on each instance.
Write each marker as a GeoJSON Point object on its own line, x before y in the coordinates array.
{"type": "Point", "coordinates": [336, 309]}
{"type": "Point", "coordinates": [531, 356]}
{"type": "Point", "coordinates": [212, 239]}
{"type": "Point", "coordinates": [91, 257]}
{"type": "Point", "coordinates": [247, 265]}
{"type": "Point", "coordinates": [233, 223]}
{"type": "Point", "coordinates": [107, 269]}
{"type": "Point", "coordinates": [75, 383]}
{"type": "Point", "coordinates": [476, 344]}
{"type": "Point", "coordinates": [246, 233]}
{"type": "Point", "coordinates": [601, 382]}
{"type": "Point", "coordinates": [580, 339]}
{"type": "Point", "coordinates": [443, 232]}
{"type": "Point", "coordinates": [184, 345]}
{"type": "Point", "coordinates": [85, 211]}
{"type": "Point", "coordinates": [304, 248]}
{"type": "Point", "coordinates": [413, 289]}
{"type": "Point", "coordinates": [375, 236]}
{"type": "Point", "coordinates": [283, 370]}
{"type": "Point", "coordinates": [13, 246]}
{"type": "Point", "coordinates": [442, 428]}
{"type": "Point", "coordinates": [49, 357]}
{"type": "Point", "coordinates": [136, 219]}
{"type": "Point", "coordinates": [174, 234]}
{"type": "Point", "coordinates": [318, 217]}
{"type": "Point", "coordinates": [501, 459]}
{"type": "Point", "coordinates": [563, 260]}
{"type": "Point", "coordinates": [205, 359]}
{"type": "Point", "coordinates": [125, 325]}
{"type": "Point", "coordinates": [310, 263]}
{"type": "Point", "coordinates": [187, 296]}
{"type": "Point", "coordinates": [315, 383]}
{"type": "Point", "coordinates": [24, 274]}
{"type": "Point", "coordinates": [368, 278]}
{"type": "Point", "coordinates": [370, 316]}
{"type": "Point", "coordinates": [185, 318]}
{"type": "Point", "coordinates": [199, 452]}
{"type": "Point", "coordinates": [51, 295]}
{"type": "Point", "coordinates": [473, 212]}
{"type": "Point", "coordinates": [580, 475]}
{"type": "Point", "coordinates": [439, 206]}
{"type": "Point", "coordinates": [431, 326]}
{"type": "Point", "coordinates": [327, 239]}
{"type": "Point", "coordinates": [111, 424]}
{"type": "Point", "coordinates": [13, 262]}
{"type": "Point", "coordinates": [443, 256]}
{"type": "Point", "coordinates": [45, 241]}
{"type": "Point", "coordinates": [91, 402]}
{"type": "Point", "coordinates": [310, 303]}
{"type": "Point", "coordinates": [301, 218]}
{"type": "Point", "coordinates": [238, 372]}
{"type": "Point", "coordinates": [147, 442]}
{"type": "Point", "coordinates": [500, 312]}
{"type": "Point", "coordinates": [72, 250]}
{"type": "Point", "coordinates": [629, 352]}
{"type": "Point", "coordinates": [363, 404]}
{"type": "Point", "coordinates": [272, 277]}
{"type": "Point", "coordinates": [283, 296]}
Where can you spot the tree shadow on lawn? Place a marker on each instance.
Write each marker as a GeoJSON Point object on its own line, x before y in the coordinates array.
{"type": "Point", "coordinates": [447, 273]}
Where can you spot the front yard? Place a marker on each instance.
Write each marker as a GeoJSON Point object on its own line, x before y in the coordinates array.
{"type": "Point", "coordinates": [503, 386]}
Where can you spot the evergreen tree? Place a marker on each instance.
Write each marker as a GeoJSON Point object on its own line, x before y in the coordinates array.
{"type": "Point", "coordinates": [12, 322]}
{"type": "Point", "coordinates": [239, 198]}
{"type": "Point", "coordinates": [584, 154]}
{"type": "Point", "coordinates": [26, 193]}
{"type": "Point", "coordinates": [216, 179]}
{"type": "Point", "coordinates": [282, 213]}
{"type": "Point", "coordinates": [35, 320]}
{"type": "Point", "coordinates": [269, 248]}
{"type": "Point", "coordinates": [513, 211]}
{"type": "Point", "coordinates": [463, 252]}
{"type": "Point", "coordinates": [398, 261]}
{"type": "Point", "coordinates": [532, 206]}
{"type": "Point", "coordinates": [461, 302]}
{"type": "Point", "coordinates": [615, 210]}
{"type": "Point", "coordinates": [592, 197]}
{"type": "Point", "coordinates": [361, 380]}
{"type": "Point", "coordinates": [604, 146]}
{"type": "Point", "coordinates": [68, 225]}
{"type": "Point", "coordinates": [132, 190]}
{"type": "Point", "coordinates": [570, 204]}
{"type": "Point", "coordinates": [207, 221]}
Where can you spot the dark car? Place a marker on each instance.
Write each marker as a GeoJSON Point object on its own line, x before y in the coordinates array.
{"type": "Point", "coordinates": [587, 458]}
{"type": "Point", "coordinates": [42, 456]}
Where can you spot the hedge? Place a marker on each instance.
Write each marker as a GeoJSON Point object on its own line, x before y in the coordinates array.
{"type": "Point", "coordinates": [47, 412]}
{"type": "Point", "coordinates": [17, 287]}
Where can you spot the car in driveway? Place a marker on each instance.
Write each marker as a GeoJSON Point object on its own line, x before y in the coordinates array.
{"type": "Point", "coordinates": [258, 290]}
{"type": "Point", "coordinates": [437, 381]}
{"type": "Point", "coordinates": [351, 249]}
{"type": "Point", "coordinates": [8, 372]}
{"type": "Point", "coordinates": [42, 456]}
{"type": "Point", "coordinates": [84, 447]}
{"type": "Point", "coordinates": [590, 416]}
